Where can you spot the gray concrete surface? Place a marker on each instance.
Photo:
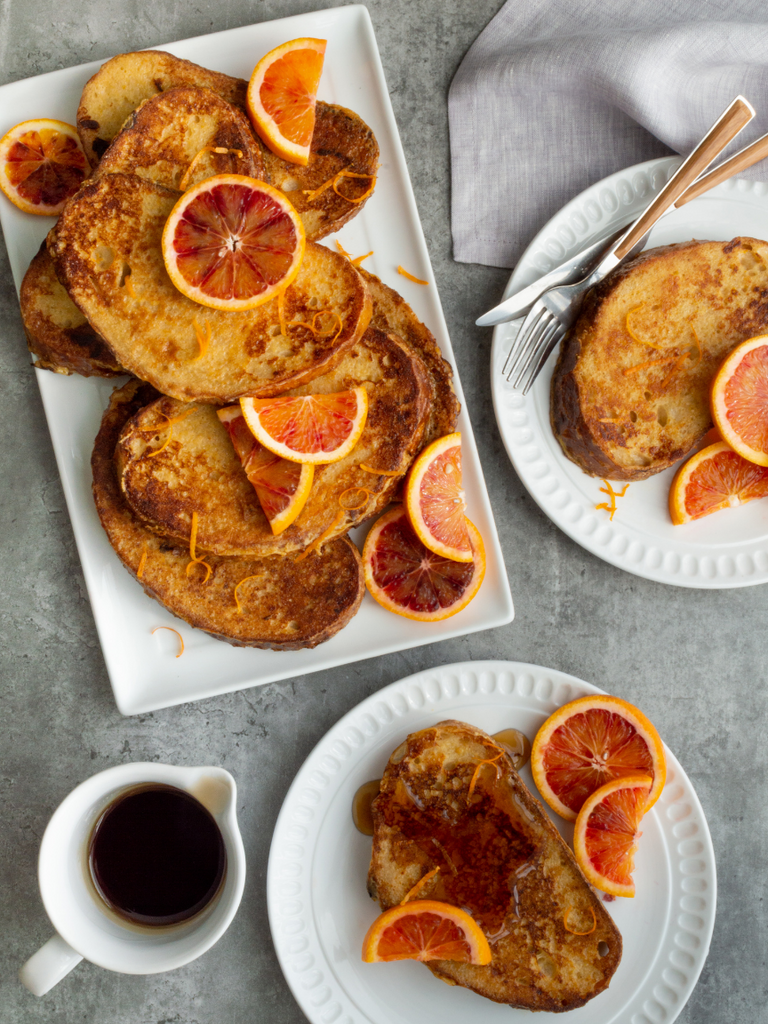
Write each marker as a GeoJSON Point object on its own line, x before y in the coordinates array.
{"type": "Point", "coordinates": [695, 661]}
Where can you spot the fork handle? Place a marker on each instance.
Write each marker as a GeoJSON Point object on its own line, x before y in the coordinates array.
{"type": "Point", "coordinates": [752, 154]}
{"type": "Point", "coordinates": [727, 127]}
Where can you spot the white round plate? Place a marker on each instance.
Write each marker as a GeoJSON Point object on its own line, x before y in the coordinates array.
{"type": "Point", "coordinates": [319, 910]}
{"type": "Point", "coordinates": [727, 549]}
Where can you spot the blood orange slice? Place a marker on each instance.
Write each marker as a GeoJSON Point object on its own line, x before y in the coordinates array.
{"type": "Point", "coordinates": [408, 579]}
{"type": "Point", "coordinates": [435, 500]}
{"type": "Point", "coordinates": [310, 428]}
{"type": "Point", "coordinates": [606, 833]}
{"type": "Point", "coordinates": [42, 164]}
{"type": "Point", "coordinates": [716, 477]}
{"type": "Point", "coordinates": [282, 94]}
{"type": "Point", "coordinates": [590, 742]}
{"type": "Point", "coordinates": [425, 930]}
{"type": "Point", "coordinates": [740, 400]}
{"type": "Point", "coordinates": [282, 487]}
{"type": "Point", "coordinates": [232, 242]}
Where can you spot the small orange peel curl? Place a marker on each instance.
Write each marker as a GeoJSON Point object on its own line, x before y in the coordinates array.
{"type": "Point", "coordinates": [245, 579]}
{"type": "Point", "coordinates": [411, 277]}
{"type": "Point", "coordinates": [178, 634]}
{"type": "Point", "coordinates": [571, 930]}
{"type": "Point", "coordinates": [194, 559]}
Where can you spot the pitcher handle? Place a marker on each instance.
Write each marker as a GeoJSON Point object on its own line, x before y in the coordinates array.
{"type": "Point", "coordinates": [48, 965]}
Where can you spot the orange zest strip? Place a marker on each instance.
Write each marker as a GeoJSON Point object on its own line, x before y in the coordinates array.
{"type": "Point", "coordinates": [167, 441]}
{"type": "Point", "coordinates": [404, 272]}
{"type": "Point", "coordinates": [359, 259]}
{"type": "Point", "coordinates": [352, 174]}
{"type": "Point", "coordinates": [203, 340]}
{"type": "Point", "coordinates": [242, 581]}
{"type": "Point", "coordinates": [128, 285]}
{"type": "Point", "coordinates": [206, 149]}
{"type": "Point", "coordinates": [416, 889]}
{"type": "Point", "coordinates": [312, 194]}
{"type": "Point", "coordinates": [633, 335]}
{"type": "Point", "coordinates": [612, 496]}
{"type": "Point", "coordinates": [192, 555]}
{"type": "Point", "coordinates": [316, 330]}
{"type": "Point", "coordinates": [169, 427]}
{"type": "Point", "coordinates": [649, 362]}
{"type": "Point", "coordinates": [381, 472]}
{"type": "Point", "coordinates": [178, 634]}
{"type": "Point", "coordinates": [142, 563]}
{"type": "Point", "coordinates": [568, 914]}
{"type": "Point", "coordinates": [360, 504]}
{"type": "Point", "coordinates": [343, 251]}
{"type": "Point", "coordinates": [322, 538]}
{"type": "Point", "coordinates": [476, 772]}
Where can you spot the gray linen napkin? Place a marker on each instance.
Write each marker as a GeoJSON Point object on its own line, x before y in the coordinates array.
{"type": "Point", "coordinates": [556, 94]}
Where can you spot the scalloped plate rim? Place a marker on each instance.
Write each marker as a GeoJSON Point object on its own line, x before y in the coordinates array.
{"type": "Point", "coordinates": [690, 563]}
{"type": "Point", "coordinates": [323, 998]}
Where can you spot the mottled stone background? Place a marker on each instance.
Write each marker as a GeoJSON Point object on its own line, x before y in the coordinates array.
{"type": "Point", "coordinates": [695, 661]}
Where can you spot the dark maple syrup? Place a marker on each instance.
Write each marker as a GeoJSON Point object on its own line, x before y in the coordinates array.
{"type": "Point", "coordinates": [478, 846]}
{"type": "Point", "coordinates": [517, 745]}
{"type": "Point", "coordinates": [362, 814]}
{"type": "Point", "coordinates": [156, 855]}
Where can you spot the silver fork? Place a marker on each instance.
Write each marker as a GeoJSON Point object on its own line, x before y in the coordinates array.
{"type": "Point", "coordinates": [554, 312]}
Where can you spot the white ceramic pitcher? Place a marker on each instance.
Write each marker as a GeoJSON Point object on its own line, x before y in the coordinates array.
{"type": "Point", "coordinates": [85, 927]}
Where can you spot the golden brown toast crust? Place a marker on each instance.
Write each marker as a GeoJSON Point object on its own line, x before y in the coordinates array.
{"type": "Point", "coordinates": [287, 607]}
{"type": "Point", "coordinates": [341, 141]}
{"type": "Point", "coordinates": [178, 130]}
{"type": "Point", "coordinates": [125, 81]}
{"type": "Point", "coordinates": [199, 471]}
{"type": "Point", "coordinates": [57, 332]}
{"type": "Point", "coordinates": [501, 859]}
{"type": "Point", "coordinates": [112, 229]}
{"type": "Point", "coordinates": [630, 392]}
{"type": "Point", "coordinates": [391, 313]}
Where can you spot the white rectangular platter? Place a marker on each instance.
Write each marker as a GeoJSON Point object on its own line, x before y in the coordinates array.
{"type": "Point", "coordinates": [143, 669]}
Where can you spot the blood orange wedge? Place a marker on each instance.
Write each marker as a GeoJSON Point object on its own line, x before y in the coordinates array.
{"type": "Point", "coordinates": [311, 428]}
{"type": "Point", "coordinates": [281, 97]}
{"type": "Point", "coordinates": [606, 833]}
{"type": "Point", "coordinates": [408, 579]}
{"type": "Point", "coordinates": [716, 477]}
{"type": "Point", "coordinates": [42, 164]}
{"type": "Point", "coordinates": [590, 742]}
{"type": "Point", "coordinates": [435, 500]}
{"type": "Point", "coordinates": [282, 487]}
{"type": "Point", "coordinates": [740, 400]}
{"type": "Point", "coordinates": [232, 242]}
{"type": "Point", "coordinates": [425, 930]}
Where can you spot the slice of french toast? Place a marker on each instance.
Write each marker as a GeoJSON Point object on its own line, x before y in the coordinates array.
{"type": "Point", "coordinates": [450, 799]}
{"type": "Point", "coordinates": [107, 251]}
{"type": "Point", "coordinates": [183, 136]}
{"type": "Point", "coordinates": [124, 82]}
{"type": "Point", "coordinates": [280, 604]}
{"type": "Point", "coordinates": [342, 142]}
{"type": "Point", "coordinates": [57, 332]}
{"type": "Point", "coordinates": [630, 392]}
{"type": "Point", "coordinates": [199, 471]}
{"type": "Point", "coordinates": [391, 313]}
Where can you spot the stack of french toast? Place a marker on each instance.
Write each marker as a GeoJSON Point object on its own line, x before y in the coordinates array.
{"type": "Point", "coordinates": [170, 490]}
